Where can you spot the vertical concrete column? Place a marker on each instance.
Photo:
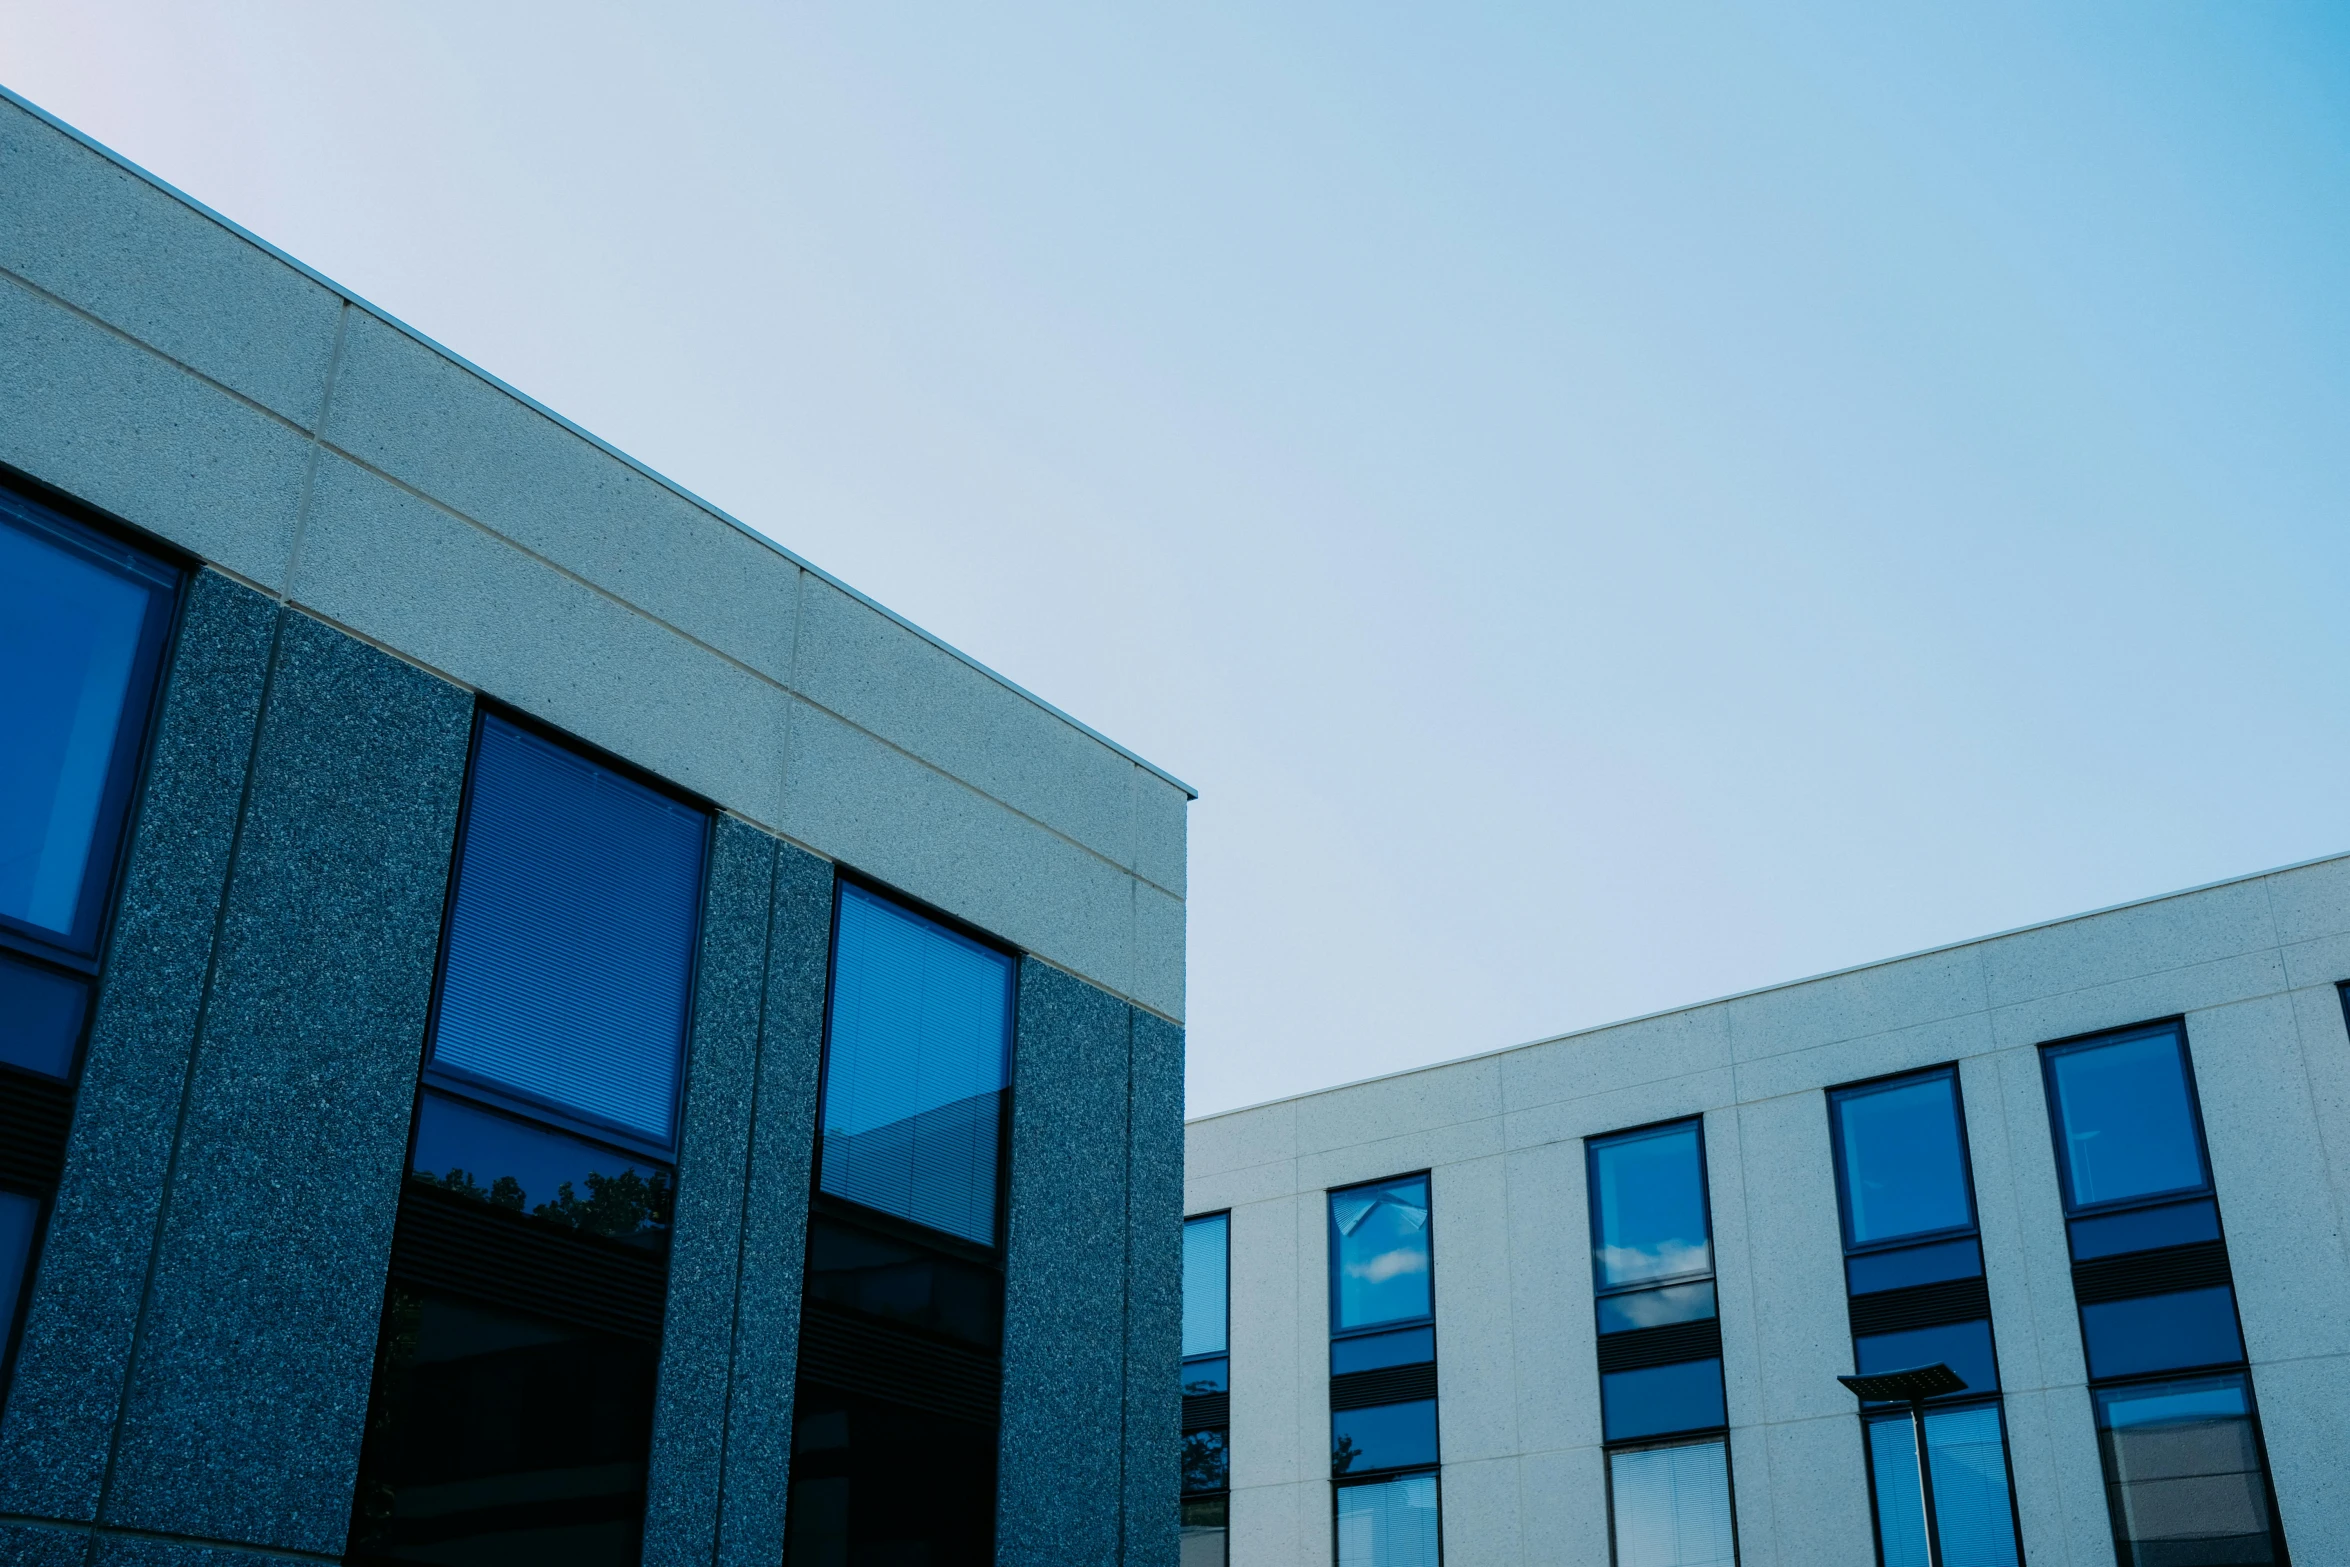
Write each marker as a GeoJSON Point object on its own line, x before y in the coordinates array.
{"type": "Point", "coordinates": [250, 1371]}
{"type": "Point", "coordinates": [1154, 1290]}
{"type": "Point", "coordinates": [76, 1348]}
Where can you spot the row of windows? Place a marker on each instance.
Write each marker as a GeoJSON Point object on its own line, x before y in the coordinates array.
{"type": "Point", "coordinates": [511, 1410]}
{"type": "Point", "coordinates": [2174, 1412]}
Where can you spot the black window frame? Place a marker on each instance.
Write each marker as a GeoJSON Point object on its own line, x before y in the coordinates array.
{"type": "Point", "coordinates": [1206, 1408]}
{"type": "Point", "coordinates": [1435, 1473]}
{"type": "Point", "coordinates": [2053, 1050]}
{"type": "Point", "coordinates": [1426, 1319]}
{"type": "Point", "coordinates": [1607, 1476]}
{"type": "Point", "coordinates": [1334, 1334]}
{"type": "Point", "coordinates": [1705, 1195]}
{"type": "Point", "coordinates": [1971, 1230]}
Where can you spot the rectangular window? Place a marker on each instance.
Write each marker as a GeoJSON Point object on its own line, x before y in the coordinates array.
{"type": "Point", "coordinates": [1379, 1259]}
{"type": "Point", "coordinates": [901, 1359]}
{"type": "Point", "coordinates": [1207, 1388]}
{"type": "Point", "coordinates": [1660, 1347]}
{"type": "Point", "coordinates": [1670, 1506]}
{"type": "Point", "coordinates": [2185, 1480]}
{"type": "Point", "coordinates": [1914, 1275]}
{"type": "Point", "coordinates": [917, 1059]}
{"type": "Point", "coordinates": [83, 625]}
{"type": "Point", "coordinates": [512, 1406]}
{"type": "Point", "coordinates": [1389, 1524]}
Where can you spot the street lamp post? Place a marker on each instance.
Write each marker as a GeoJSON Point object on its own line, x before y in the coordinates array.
{"type": "Point", "coordinates": [1913, 1388]}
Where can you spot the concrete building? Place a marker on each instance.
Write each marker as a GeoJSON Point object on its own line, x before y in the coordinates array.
{"type": "Point", "coordinates": [534, 1024]}
{"type": "Point", "coordinates": [1588, 1300]}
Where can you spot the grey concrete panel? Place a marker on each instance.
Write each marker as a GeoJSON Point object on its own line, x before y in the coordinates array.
{"type": "Point", "coordinates": [97, 236]}
{"type": "Point", "coordinates": [775, 1219]}
{"type": "Point", "coordinates": [1161, 940]}
{"type": "Point", "coordinates": [1064, 1288]}
{"type": "Point", "coordinates": [1154, 1291]}
{"type": "Point", "coordinates": [2195, 988]}
{"type": "Point", "coordinates": [1878, 1000]}
{"type": "Point", "coordinates": [1647, 1050]}
{"type": "Point", "coordinates": [1466, 1091]}
{"type": "Point", "coordinates": [1819, 1515]}
{"type": "Point", "coordinates": [1476, 1353]}
{"type": "Point", "coordinates": [1552, 1319]}
{"type": "Point", "coordinates": [878, 809]}
{"type": "Point", "coordinates": [1563, 1506]}
{"type": "Point", "coordinates": [76, 1345]}
{"type": "Point", "coordinates": [1162, 825]}
{"type": "Point", "coordinates": [1245, 1140]}
{"type": "Point", "coordinates": [1272, 1348]}
{"type": "Point", "coordinates": [2304, 1427]}
{"type": "Point", "coordinates": [2129, 943]}
{"type": "Point", "coordinates": [250, 1381]}
{"type": "Point", "coordinates": [1795, 1253]}
{"type": "Point", "coordinates": [130, 433]}
{"type": "Point", "coordinates": [28, 1545]}
{"type": "Point", "coordinates": [860, 664]}
{"type": "Point", "coordinates": [435, 425]}
{"type": "Point", "coordinates": [1896, 1050]}
{"type": "Point", "coordinates": [474, 607]}
{"type": "Point", "coordinates": [705, 1254]}
{"type": "Point", "coordinates": [2311, 901]}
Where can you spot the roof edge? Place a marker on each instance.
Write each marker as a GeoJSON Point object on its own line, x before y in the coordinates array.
{"type": "Point", "coordinates": [597, 441]}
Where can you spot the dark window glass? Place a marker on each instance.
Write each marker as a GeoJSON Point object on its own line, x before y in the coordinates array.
{"type": "Point", "coordinates": [873, 1482]}
{"type": "Point", "coordinates": [1648, 1209]}
{"type": "Point", "coordinates": [917, 1055]}
{"type": "Point", "coordinates": [2145, 1229]}
{"type": "Point", "coordinates": [41, 1013]}
{"type": "Point", "coordinates": [495, 1437]}
{"type": "Point", "coordinates": [1206, 1286]}
{"type": "Point", "coordinates": [1212, 1375]}
{"type": "Point", "coordinates": [1903, 1164]}
{"type": "Point", "coordinates": [1206, 1464]}
{"type": "Point", "coordinates": [82, 626]}
{"type": "Point", "coordinates": [2125, 1119]}
{"type": "Point", "coordinates": [1656, 1308]}
{"type": "Point", "coordinates": [569, 954]}
{"type": "Point", "coordinates": [1204, 1521]}
{"type": "Point", "coordinates": [2128, 1338]}
{"type": "Point", "coordinates": [1871, 1271]}
{"type": "Point", "coordinates": [525, 1168]}
{"type": "Point", "coordinates": [1379, 1254]}
{"type": "Point", "coordinates": [1670, 1506]}
{"type": "Point", "coordinates": [1390, 1524]}
{"type": "Point", "coordinates": [1965, 1347]}
{"type": "Point", "coordinates": [20, 1216]}
{"type": "Point", "coordinates": [1376, 1351]}
{"type": "Point", "coordinates": [1659, 1400]}
{"type": "Point", "coordinates": [1971, 1506]}
{"type": "Point", "coordinates": [2183, 1475]}
{"type": "Point", "coordinates": [882, 1276]}
{"type": "Point", "coordinates": [1389, 1436]}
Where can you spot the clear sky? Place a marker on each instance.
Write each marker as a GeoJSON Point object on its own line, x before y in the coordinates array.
{"type": "Point", "coordinates": [1610, 504]}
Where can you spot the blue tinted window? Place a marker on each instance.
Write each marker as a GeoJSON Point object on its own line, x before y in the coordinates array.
{"type": "Point", "coordinates": [82, 623]}
{"type": "Point", "coordinates": [1670, 1506]}
{"type": "Point", "coordinates": [1965, 1347]}
{"type": "Point", "coordinates": [1391, 1436]}
{"type": "Point", "coordinates": [523, 1167]}
{"type": "Point", "coordinates": [1206, 1263]}
{"type": "Point", "coordinates": [1377, 1351]}
{"type": "Point", "coordinates": [1659, 1400]}
{"type": "Point", "coordinates": [1903, 1169]}
{"type": "Point", "coordinates": [1870, 1271]}
{"type": "Point", "coordinates": [1970, 1489]}
{"type": "Point", "coordinates": [1207, 1376]}
{"type": "Point", "coordinates": [1392, 1524]}
{"type": "Point", "coordinates": [40, 1017]}
{"type": "Point", "coordinates": [570, 948]}
{"type": "Point", "coordinates": [2162, 1332]}
{"type": "Point", "coordinates": [1379, 1253]}
{"type": "Point", "coordinates": [20, 1215]}
{"type": "Point", "coordinates": [2125, 1122]}
{"type": "Point", "coordinates": [916, 1060]}
{"type": "Point", "coordinates": [1207, 1462]}
{"type": "Point", "coordinates": [1656, 1308]}
{"type": "Point", "coordinates": [1648, 1212]}
{"type": "Point", "coordinates": [2183, 1474]}
{"type": "Point", "coordinates": [2145, 1229]}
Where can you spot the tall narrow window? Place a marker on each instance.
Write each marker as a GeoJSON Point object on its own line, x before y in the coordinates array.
{"type": "Point", "coordinates": [1383, 1453]}
{"type": "Point", "coordinates": [2186, 1482]}
{"type": "Point", "coordinates": [83, 623]}
{"type": "Point", "coordinates": [1914, 1272]}
{"type": "Point", "coordinates": [1660, 1349]}
{"type": "Point", "coordinates": [901, 1335]}
{"type": "Point", "coordinates": [512, 1409]}
{"type": "Point", "coordinates": [1207, 1388]}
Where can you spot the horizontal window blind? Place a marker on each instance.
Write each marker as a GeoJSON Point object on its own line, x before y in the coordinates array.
{"type": "Point", "coordinates": [570, 945]}
{"type": "Point", "coordinates": [916, 1062]}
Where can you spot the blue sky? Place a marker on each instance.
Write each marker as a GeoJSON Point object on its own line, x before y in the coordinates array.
{"type": "Point", "coordinates": [1611, 505]}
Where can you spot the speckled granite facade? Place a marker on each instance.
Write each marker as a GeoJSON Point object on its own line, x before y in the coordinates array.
{"type": "Point", "coordinates": [1154, 1291]}
{"type": "Point", "coordinates": [79, 1325]}
{"type": "Point", "coordinates": [249, 1384]}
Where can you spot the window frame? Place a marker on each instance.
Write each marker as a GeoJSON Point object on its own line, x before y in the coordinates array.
{"type": "Point", "coordinates": [1330, 1262]}
{"type": "Point", "coordinates": [1607, 1476]}
{"type": "Point", "coordinates": [1996, 1402]}
{"type": "Point", "coordinates": [2055, 1049]}
{"type": "Point", "coordinates": [1705, 1197]}
{"type": "Point", "coordinates": [1971, 1230]}
{"type": "Point", "coordinates": [855, 1212]}
{"type": "Point", "coordinates": [505, 1099]}
{"type": "Point", "coordinates": [2242, 1372]}
{"type": "Point", "coordinates": [1435, 1472]}
{"type": "Point", "coordinates": [1225, 1214]}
